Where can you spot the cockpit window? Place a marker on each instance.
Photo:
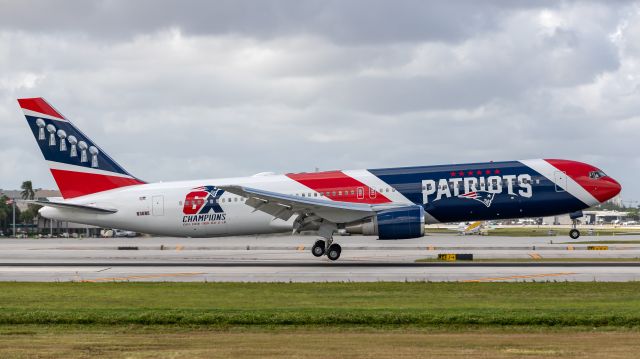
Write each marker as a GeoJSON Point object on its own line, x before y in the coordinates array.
{"type": "Point", "coordinates": [596, 174]}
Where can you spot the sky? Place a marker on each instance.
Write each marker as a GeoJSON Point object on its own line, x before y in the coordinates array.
{"type": "Point", "coordinates": [204, 89]}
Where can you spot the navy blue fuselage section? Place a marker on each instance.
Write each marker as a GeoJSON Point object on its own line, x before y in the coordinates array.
{"type": "Point", "coordinates": [480, 191]}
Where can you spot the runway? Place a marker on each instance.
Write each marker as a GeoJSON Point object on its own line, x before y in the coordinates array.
{"type": "Point", "coordinates": [288, 259]}
{"type": "Point", "coordinates": [327, 264]}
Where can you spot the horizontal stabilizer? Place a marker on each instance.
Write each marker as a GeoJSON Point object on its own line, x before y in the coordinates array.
{"type": "Point", "coordinates": [75, 207]}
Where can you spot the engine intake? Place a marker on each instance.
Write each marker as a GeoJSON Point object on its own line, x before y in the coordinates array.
{"type": "Point", "coordinates": [398, 223]}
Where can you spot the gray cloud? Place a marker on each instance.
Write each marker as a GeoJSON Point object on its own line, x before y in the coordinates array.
{"type": "Point", "coordinates": [355, 21]}
{"type": "Point", "coordinates": [191, 90]}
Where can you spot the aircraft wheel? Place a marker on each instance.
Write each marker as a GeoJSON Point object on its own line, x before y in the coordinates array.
{"type": "Point", "coordinates": [334, 251]}
{"type": "Point", "coordinates": [574, 233]}
{"type": "Point", "coordinates": [318, 248]}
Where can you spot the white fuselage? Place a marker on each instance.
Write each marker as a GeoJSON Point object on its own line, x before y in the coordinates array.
{"type": "Point", "coordinates": [159, 208]}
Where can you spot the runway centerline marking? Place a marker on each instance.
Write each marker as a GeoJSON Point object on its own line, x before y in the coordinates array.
{"type": "Point", "coordinates": [146, 276]}
{"type": "Point", "coordinates": [494, 279]}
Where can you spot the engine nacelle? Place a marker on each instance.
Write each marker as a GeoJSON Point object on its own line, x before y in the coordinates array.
{"type": "Point", "coordinates": [398, 223]}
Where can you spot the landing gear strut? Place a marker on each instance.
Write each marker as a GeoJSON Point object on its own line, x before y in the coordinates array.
{"type": "Point", "coordinates": [574, 233]}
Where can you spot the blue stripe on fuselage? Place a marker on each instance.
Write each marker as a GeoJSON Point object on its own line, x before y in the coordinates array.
{"type": "Point", "coordinates": [541, 199]}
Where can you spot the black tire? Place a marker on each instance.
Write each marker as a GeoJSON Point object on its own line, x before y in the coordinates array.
{"type": "Point", "coordinates": [334, 251]}
{"type": "Point", "coordinates": [574, 234]}
{"type": "Point", "coordinates": [318, 248]}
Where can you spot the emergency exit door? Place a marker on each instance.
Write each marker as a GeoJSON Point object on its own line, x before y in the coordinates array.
{"type": "Point", "coordinates": [157, 208]}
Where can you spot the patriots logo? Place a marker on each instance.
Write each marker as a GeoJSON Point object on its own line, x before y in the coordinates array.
{"type": "Point", "coordinates": [210, 189]}
{"type": "Point", "coordinates": [483, 197]}
{"type": "Point", "coordinates": [203, 200]}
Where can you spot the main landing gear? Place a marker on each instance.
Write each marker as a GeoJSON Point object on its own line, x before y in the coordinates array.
{"type": "Point", "coordinates": [332, 250]}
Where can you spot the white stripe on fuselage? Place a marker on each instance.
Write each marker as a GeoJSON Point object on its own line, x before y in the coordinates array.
{"type": "Point", "coordinates": [573, 188]}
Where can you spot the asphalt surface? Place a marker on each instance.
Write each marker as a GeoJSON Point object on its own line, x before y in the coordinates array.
{"type": "Point", "coordinates": [288, 258]}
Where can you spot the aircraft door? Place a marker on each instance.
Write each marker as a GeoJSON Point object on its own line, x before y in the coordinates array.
{"type": "Point", "coordinates": [360, 191]}
{"type": "Point", "coordinates": [560, 180]}
{"type": "Point", "coordinates": [157, 205]}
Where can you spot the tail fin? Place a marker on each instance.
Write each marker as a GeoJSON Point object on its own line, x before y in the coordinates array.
{"type": "Point", "coordinates": [77, 164]}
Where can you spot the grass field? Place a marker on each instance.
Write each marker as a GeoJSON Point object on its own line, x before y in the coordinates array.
{"type": "Point", "coordinates": [327, 342]}
{"type": "Point", "coordinates": [320, 320]}
{"type": "Point", "coordinates": [318, 304]}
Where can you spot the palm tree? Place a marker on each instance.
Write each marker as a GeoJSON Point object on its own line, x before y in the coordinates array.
{"type": "Point", "coordinates": [27, 190]}
{"type": "Point", "coordinates": [32, 211]}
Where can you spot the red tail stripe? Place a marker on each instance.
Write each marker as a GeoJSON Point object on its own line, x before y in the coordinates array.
{"type": "Point", "coordinates": [336, 181]}
{"type": "Point", "coordinates": [38, 105]}
{"type": "Point", "coordinates": [74, 184]}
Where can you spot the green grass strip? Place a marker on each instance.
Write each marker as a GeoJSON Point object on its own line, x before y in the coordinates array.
{"type": "Point", "coordinates": [365, 304]}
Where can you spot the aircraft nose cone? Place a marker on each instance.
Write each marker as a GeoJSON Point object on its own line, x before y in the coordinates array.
{"type": "Point", "coordinates": [607, 189]}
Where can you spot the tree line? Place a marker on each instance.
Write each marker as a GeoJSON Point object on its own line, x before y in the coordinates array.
{"type": "Point", "coordinates": [24, 217]}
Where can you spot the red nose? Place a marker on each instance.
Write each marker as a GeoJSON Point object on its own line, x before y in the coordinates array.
{"type": "Point", "coordinates": [605, 188]}
{"type": "Point", "coordinates": [601, 188]}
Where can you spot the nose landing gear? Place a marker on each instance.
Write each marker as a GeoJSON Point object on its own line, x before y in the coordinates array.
{"type": "Point", "coordinates": [574, 233]}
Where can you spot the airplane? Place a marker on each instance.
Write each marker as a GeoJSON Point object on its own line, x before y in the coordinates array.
{"type": "Point", "coordinates": [392, 203]}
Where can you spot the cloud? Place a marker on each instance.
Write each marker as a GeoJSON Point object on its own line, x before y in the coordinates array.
{"type": "Point", "coordinates": [192, 90]}
{"type": "Point", "coordinates": [356, 21]}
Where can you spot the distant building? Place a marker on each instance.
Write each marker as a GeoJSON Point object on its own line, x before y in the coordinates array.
{"type": "Point", "coordinates": [617, 200]}
{"type": "Point", "coordinates": [40, 193]}
{"type": "Point", "coordinates": [48, 226]}
{"type": "Point", "coordinates": [605, 217]}
{"type": "Point", "coordinates": [590, 217]}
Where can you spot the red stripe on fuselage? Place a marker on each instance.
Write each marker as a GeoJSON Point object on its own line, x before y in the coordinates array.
{"type": "Point", "coordinates": [338, 186]}
{"type": "Point", "coordinates": [74, 184]}
{"type": "Point", "coordinates": [38, 105]}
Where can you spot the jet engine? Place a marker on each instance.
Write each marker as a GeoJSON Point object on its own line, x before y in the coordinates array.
{"type": "Point", "coordinates": [398, 223]}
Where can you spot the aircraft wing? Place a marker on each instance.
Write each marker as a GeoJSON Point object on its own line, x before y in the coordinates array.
{"type": "Point", "coordinates": [74, 206]}
{"type": "Point", "coordinates": [284, 206]}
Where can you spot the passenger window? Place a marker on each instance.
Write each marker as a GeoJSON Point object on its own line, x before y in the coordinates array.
{"type": "Point", "coordinates": [339, 193]}
{"type": "Point", "coordinates": [333, 193]}
{"type": "Point", "coordinates": [353, 192]}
